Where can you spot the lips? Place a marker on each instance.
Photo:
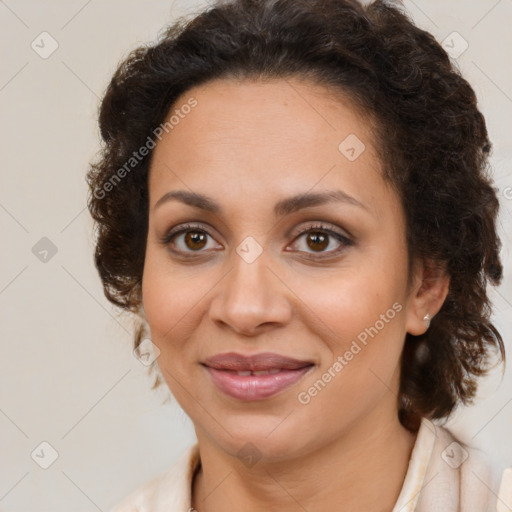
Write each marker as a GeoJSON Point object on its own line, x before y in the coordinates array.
{"type": "Point", "coordinates": [258, 362]}
{"type": "Point", "coordinates": [255, 377]}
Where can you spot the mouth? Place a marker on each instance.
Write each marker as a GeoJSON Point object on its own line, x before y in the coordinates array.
{"type": "Point", "coordinates": [255, 377]}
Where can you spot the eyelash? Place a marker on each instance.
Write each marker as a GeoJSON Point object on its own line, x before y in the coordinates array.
{"type": "Point", "coordinates": [345, 241]}
{"type": "Point", "coordinates": [167, 238]}
{"type": "Point", "coordinates": [317, 228]}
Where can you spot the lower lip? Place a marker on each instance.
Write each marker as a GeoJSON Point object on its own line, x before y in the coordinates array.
{"type": "Point", "coordinates": [255, 387]}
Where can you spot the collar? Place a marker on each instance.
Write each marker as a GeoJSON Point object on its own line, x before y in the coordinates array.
{"type": "Point", "coordinates": [443, 476]}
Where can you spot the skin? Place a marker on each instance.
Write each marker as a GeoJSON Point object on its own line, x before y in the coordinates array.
{"type": "Point", "coordinates": [247, 145]}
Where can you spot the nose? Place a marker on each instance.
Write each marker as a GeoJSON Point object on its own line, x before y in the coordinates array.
{"type": "Point", "coordinates": [251, 298]}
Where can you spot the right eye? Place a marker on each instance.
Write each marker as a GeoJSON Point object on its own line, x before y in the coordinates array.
{"type": "Point", "coordinates": [189, 239]}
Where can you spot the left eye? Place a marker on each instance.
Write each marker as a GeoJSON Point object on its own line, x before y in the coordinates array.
{"type": "Point", "coordinates": [320, 240]}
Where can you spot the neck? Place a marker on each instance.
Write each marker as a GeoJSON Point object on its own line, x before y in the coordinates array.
{"type": "Point", "coordinates": [363, 469]}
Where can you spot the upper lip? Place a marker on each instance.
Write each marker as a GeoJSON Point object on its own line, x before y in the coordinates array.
{"type": "Point", "coordinates": [264, 361]}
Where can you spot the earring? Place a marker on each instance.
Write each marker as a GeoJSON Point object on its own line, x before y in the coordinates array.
{"type": "Point", "coordinates": [427, 319]}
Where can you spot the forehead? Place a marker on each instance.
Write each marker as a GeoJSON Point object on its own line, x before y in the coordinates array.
{"type": "Point", "coordinates": [265, 137]}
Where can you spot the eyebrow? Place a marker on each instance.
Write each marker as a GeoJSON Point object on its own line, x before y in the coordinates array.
{"type": "Point", "coordinates": [282, 208]}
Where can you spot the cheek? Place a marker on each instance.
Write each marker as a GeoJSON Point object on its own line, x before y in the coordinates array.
{"type": "Point", "coordinates": [363, 340]}
{"type": "Point", "coordinates": [173, 310]}
{"type": "Point", "coordinates": [172, 301]}
{"type": "Point", "coordinates": [350, 301]}
{"type": "Point", "coordinates": [360, 318]}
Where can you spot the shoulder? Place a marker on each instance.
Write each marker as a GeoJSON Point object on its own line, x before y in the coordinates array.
{"type": "Point", "coordinates": [458, 475]}
{"type": "Point", "coordinates": [169, 490]}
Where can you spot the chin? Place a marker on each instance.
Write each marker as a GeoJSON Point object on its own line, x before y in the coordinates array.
{"type": "Point", "coordinates": [265, 437]}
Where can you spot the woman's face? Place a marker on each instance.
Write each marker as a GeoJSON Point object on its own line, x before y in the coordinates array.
{"type": "Point", "coordinates": [272, 231]}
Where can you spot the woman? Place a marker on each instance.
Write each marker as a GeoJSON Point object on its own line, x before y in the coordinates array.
{"type": "Point", "coordinates": [294, 197]}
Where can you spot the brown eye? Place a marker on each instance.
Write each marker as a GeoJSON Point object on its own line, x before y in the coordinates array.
{"type": "Point", "coordinates": [189, 239]}
{"type": "Point", "coordinates": [320, 241]}
{"type": "Point", "coordinates": [195, 240]}
{"type": "Point", "coordinates": [317, 241]}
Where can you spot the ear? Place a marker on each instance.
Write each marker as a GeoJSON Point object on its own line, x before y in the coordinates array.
{"type": "Point", "coordinates": [428, 292]}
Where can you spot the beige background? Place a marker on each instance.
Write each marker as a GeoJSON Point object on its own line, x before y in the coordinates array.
{"type": "Point", "coordinates": [68, 376]}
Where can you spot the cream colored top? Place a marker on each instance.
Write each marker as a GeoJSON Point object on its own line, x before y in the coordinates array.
{"type": "Point", "coordinates": [444, 475]}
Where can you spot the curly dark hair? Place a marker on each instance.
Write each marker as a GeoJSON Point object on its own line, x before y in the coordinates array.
{"type": "Point", "coordinates": [430, 136]}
